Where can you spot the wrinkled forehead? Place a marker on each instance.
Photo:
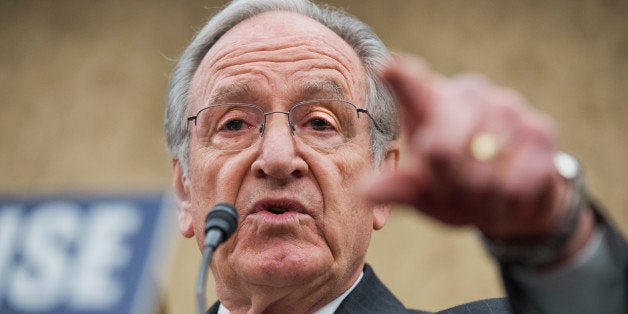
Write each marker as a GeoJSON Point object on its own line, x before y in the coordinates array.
{"type": "Point", "coordinates": [275, 25]}
{"type": "Point", "coordinates": [278, 38]}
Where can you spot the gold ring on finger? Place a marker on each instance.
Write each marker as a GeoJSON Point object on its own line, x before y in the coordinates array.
{"type": "Point", "coordinates": [484, 146]}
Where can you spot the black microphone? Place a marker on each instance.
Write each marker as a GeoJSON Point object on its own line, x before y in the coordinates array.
{"type": "Point", "coordinates": [220, 224]}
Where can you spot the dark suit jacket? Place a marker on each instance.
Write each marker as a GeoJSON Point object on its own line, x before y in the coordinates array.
{"type": "Point", "coordinates": [371, 296]}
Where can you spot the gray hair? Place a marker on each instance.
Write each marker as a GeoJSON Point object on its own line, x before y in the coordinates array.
{"type": "Point", "coordinates": [372, 53]}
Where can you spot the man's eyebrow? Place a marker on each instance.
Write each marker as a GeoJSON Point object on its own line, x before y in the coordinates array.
{"type": "Point", "coordinates": [236, 91]}
{"type": "Point", "coordinates": [322, 89]}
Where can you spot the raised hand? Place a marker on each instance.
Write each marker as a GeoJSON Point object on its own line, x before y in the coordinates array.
{"type": "Point", "coordinates": [476, 154]}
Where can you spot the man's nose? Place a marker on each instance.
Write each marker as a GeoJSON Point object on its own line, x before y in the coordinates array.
{"type": "Point", "coordinates": [279, 157]}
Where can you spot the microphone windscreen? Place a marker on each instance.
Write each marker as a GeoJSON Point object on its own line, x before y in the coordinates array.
{"type": "Point", "coordinates": [223, 216]}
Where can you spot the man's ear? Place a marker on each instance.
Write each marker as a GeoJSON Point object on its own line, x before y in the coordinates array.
{"type": "Point", "coordinates": [388, 165]}
{"type": "Point", "coordinates": [181, 187]}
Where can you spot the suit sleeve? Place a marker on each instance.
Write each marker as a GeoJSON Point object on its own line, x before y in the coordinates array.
{"type": "Point", "coordinates": [595, 281]}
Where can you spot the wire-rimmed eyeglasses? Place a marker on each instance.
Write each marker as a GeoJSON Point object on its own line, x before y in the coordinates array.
{"type": "Point", "coordinates": [319, 123]}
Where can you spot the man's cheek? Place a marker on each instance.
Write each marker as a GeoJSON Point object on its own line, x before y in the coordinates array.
{"type": "Point", "coordinates": [353, 166]}
{"type": "Point", "coordinates": [228, 179]}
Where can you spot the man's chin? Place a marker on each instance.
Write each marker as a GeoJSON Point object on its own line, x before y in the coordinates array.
{"type": "Point", "coordinates": [283, 267]}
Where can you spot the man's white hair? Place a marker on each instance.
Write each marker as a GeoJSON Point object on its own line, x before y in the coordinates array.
{"type": "Point", "coordinates": [372, 53]}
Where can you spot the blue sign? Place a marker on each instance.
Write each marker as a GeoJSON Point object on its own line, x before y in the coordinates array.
{"type": "Point", "coordinates": [81, 254]}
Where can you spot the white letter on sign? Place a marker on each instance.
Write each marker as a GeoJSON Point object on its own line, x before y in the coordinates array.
{"type": "Point", "coordinates": [103, 251]}
{"type": "Point", "coordinates": [38, 280]}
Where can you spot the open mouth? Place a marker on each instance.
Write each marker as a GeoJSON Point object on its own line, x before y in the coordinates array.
{"type": "Point", "coordinates": [277, 211]}
{"type": "Point", "coordinates": [279, 207]}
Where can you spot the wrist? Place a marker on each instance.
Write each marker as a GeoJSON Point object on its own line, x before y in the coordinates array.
{"type": "Point", "coordinates": [569, 233]}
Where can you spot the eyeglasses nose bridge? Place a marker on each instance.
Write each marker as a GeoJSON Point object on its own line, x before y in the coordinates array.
{"type": "Point", "coordinates": [287, 113]}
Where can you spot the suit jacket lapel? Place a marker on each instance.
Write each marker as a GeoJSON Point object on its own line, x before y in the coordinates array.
{"type": "Point", "coordinates": [370, 296]}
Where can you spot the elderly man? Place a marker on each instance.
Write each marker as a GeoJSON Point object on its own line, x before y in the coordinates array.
{"type": "Point", "coordinates": [286, 110]}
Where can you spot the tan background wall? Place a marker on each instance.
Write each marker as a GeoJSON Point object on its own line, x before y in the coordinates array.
{"type": "Point", "coordinates": [82, 86]}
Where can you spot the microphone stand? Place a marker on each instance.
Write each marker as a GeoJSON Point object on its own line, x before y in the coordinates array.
{"type": "Point", "coordinates": [202, 279]}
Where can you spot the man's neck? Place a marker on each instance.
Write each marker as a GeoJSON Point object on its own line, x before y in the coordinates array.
{"type": "Point", "coordinates": [318, 300]}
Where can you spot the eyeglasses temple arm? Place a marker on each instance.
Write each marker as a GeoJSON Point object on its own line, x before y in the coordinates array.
{"type": "Point", "coordinates": [371, 117]}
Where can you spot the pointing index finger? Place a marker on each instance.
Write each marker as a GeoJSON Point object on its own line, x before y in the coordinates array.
{"type": "Point", "coordinates": [414, 84]}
